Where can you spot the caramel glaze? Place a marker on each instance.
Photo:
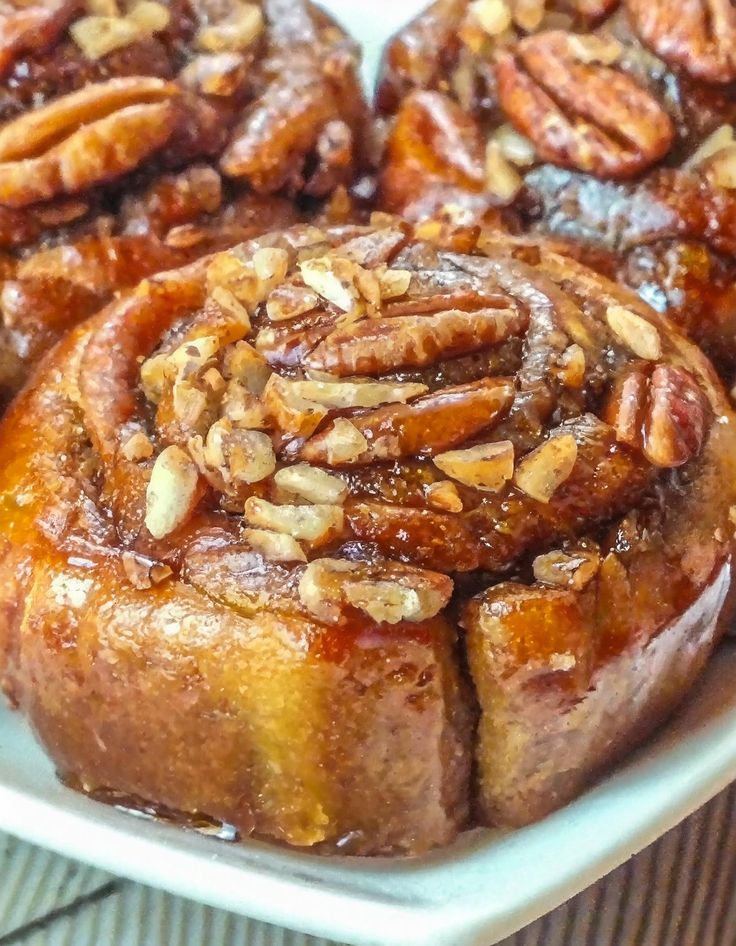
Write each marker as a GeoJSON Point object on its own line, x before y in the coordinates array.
{"type": "Point", "coordinates": [223, 687]}
{"type": "Point", "coordinates": [669, 231]}
{"type": "Point", "coordinates": [261, 150]}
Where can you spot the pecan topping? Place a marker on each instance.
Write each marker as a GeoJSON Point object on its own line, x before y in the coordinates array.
{"type": "Point", "coordinates": [428, 425]}
{"type": "Point", "coordinates": [389, 591]}
{"type": "Point", "coordinates": [574, 569]}
{"type": "Point", "coordinates": [582, 115]}
{"type": "Point", "coordinates": [696, 35]}
{"type": "Point", "coordinates": [662, 412]}
{"type": "Point", "coordinates": [171, 493]}
{"type": "Point", "coordinates": [379, 345]}
{"type": "Point", "coordinates": [43, 127]}
{"type": "Point", "coordinates": [640, 336]}
{"type": "Point", "coordinates": [489, 466]}
{"type": "Point", "coordinates": [545, 469]}
{"type": "Point", "coordinates": [82, 139]}
{"type": "Point", "coordinates": [314, 524]}
{"type": "Point", "coordinates": [274, 546]}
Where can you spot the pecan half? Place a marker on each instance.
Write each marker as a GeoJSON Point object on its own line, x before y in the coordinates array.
{"type": "Point", "coordinates": [582, 115]}
{"type": "Point", "coordinates": [41, 128]}
{"type": "Point", "coordinates": [378, 345]}
{"type": "Point", "coordinates": [696, 35]}
{"type": "Point", "coordinates": [428, 425]}
{"type": "Point", "coordinates": [102, 132]}
{"type": "Point", "coordinates": [662, 412]}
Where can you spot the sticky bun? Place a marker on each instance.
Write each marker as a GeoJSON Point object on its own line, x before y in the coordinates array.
{"type": "Point", "coordinates": [605, 125]}
{"type": "Point", "coordinates": [350, 541]}
{"type": "Point", "coordinates": [136, 136]}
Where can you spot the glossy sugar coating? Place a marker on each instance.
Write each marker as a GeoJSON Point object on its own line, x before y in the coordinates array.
{"type": "Point", "coordinates": [278, 525]}
{"type": "Point", "coordinates": [135, 137]}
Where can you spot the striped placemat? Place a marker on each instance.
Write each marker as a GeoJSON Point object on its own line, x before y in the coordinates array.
{"type": "Point", "coordinates": [679, 892]}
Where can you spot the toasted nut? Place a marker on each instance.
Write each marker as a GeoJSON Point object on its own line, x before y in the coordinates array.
{"type": "Point", "coordinates": [721, 168]}
{"type": "Point", "coordinates": [344, 394]}
{"type": "Point", "coordinates": [294, 414]}
{"type": "Point", "coordinates": [226, 300]}
{"type": "Point", "coordinates": [444, 495]}
{"type": "Point", "coordinates": [191, 356]}
{"type": "Point", "coordinates": [514, 146]}
{"type": "Point", "coordinates": [571, 370]}
{"type": "Point", "coordinates": [344, 442]}
{"type": "Point", "coordinates": [98, 36]}
{"type": "Point", "coordinates": [137, 447]}
{"type": "Point", "coordinates": [214, 381]}
{"type": "Point", "coordinates": [542, 471]}
{"type": "Point", "coordinates": [493, 15]}
{"type": "Point", "coordinates": [591, 48]}
{"type": "Point", "coordinates": [287, 302]}
{"type": "Point", "coordinates": [250, 456]}
{"type": "Point", "coordinates": [149, 16]}
{"type": "Point", "coordinates": [394, 283]}
{"type": "Point", "coordinates": [720, 139]}
{"type": "Point", "coordinates": [639, 336]}
{"type": "Point", "coordinates": [220, 74]}
{"type": "Point", "coordinates": [312, 484]}
{"type": "Point", "coordinates": [246, 365]}
{"type": "Point", "coordinates": [488, 466]}
{"type": "Point", "coordinates": [271, 264]}
{"type": "Point", "coordinates": [388, 592]}
{"type": "Point", "coordinates": [102, 7]}
{"type": "Point", "coordinates": [315, 524]}
{"type": "Point", "coordinates": [242, 456]}
{"type": "Point", "coordinates": [156, 372]}
{"type": "Point", "coordinates": [331, 280]}
{"type": "Point", "coordinates": [243, 408]}
{"type": "Point", "coordinates": [171, 492]}
{"type": "Point", "coordinates": [189, 403]}
{"type": "Point", "coordinates": [502, 178]}
{"type": "Point", "coordinates": [275, 546]}
{"type": "Point", "coordinates": [143, 572]}
{"type": "Point", "coordinates": [389, 602]}
{"type": "Point", "coordinates": [573, 570]}
{"type": "Point", "coordinates": [240, 28]}
{"type": "Point", "coordinates": [528, 14]}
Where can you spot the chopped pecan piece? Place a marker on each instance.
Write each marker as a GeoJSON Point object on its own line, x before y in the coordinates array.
{"type": "Point", "coordinates": [274, 546]}
{"type": "Point", "coordinates": [572, 569]}
{"type": "Point", "coordinates": [315, 523]}
{"type": "Point", "coordinates": [545, 469]}
{"type": "Point", "coordinates": [488, 466]}
{"type": "Point", "coordinates": [172, 492]}
{"type": "Point", "coordinates": [639, 335]}
{"type": "Point", "coordinates": [696, 35]}
{"type": "Point", "coordinates": [580, 114]}
{"type": "Point", "coordinates": [386, 591]}
{"type": "Point", "coordinates": [379, 345]}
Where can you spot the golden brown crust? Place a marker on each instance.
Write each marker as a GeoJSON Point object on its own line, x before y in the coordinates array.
{"type": "Point", "coordinates": [264, 554]}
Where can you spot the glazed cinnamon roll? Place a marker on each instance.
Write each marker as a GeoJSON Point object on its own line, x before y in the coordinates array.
{"type": "Point", "coordinates": [299, 536]}
{"type": "Point", "coordinates": [135, 137]}
{"type": "Point", "coordinates": [606, 125]}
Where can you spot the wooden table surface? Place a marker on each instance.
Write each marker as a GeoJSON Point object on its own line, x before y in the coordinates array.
{"type": "Point", "coordinates": [679, 892]}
